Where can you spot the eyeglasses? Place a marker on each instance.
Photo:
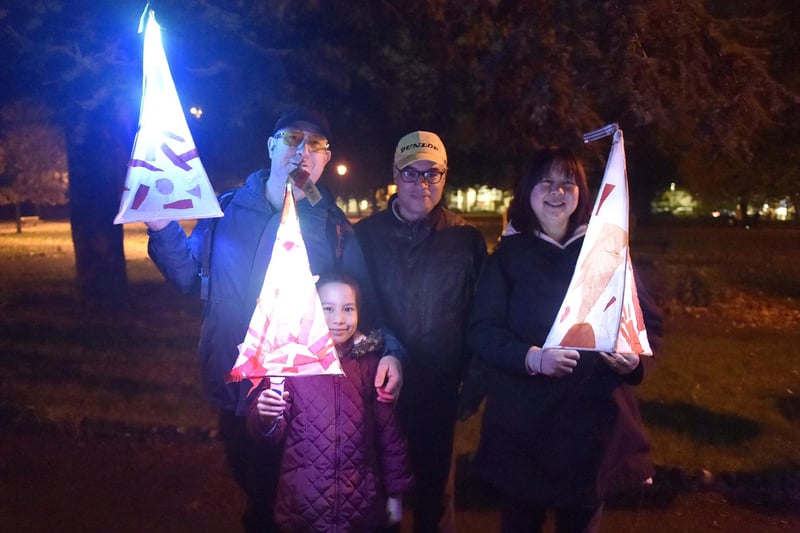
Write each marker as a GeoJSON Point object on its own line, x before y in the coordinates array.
{"type": "Point", "coordinates": [411, 175]}
{"type": "Point", "coordinates": [294, 138]}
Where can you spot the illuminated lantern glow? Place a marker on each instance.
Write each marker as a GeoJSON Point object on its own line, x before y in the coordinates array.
{"type": "Point", "coordinates": [166, 179]}
{"type": "Point", "coordinates": [288, 335]}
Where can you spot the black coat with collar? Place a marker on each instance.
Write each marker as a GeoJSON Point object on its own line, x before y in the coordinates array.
{"type": "Point", "coordinates": [425, 274]}
{"type": "Point", "coordinates": [559, 442]}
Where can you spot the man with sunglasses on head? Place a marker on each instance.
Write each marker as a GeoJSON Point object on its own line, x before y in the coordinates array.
{"type": "Point", "coordinates": [226, 259]}
{"type": "Point", "coordinates": [425, 260]}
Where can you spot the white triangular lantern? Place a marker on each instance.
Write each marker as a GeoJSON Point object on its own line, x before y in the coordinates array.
{"type": "Point", "coordinates": [165, 180]}
{"type": "Point", "coordinates": [601, 309]}
{"type": "Point", "coordinates": [288, 335]}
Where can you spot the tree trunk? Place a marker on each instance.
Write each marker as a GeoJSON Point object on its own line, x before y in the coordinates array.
{"type": "Point", "coordinates": [97, 162]}
{"type": "Point", "coordinates": [18, 211]}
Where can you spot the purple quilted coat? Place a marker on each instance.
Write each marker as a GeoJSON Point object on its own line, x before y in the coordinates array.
{"type": "Point", "coordinates": [343, 451]}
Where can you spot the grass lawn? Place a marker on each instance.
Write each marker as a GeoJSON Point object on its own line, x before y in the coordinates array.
{"type": "Point", "coordinates": [723, 393]}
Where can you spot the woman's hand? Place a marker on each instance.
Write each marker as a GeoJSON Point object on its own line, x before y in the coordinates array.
{"type": "Point", "coordinates": [621, 363]}
{"type": "Point", "coordinates": [553, 362]}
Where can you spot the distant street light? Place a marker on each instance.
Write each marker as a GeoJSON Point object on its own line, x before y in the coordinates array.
{"type": "Point", "coordinates": [341, 170]}
{"type": "Point", "coordinates": [196, 111]}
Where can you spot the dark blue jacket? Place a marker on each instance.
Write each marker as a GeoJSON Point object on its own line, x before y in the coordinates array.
{"type": "Point", "coordinates": [241, 249]}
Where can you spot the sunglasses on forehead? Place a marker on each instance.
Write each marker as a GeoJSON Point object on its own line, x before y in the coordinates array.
{"type": "Point", "coordinates": [294, 138]}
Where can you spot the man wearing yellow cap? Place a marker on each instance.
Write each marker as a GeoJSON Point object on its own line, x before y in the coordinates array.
{"type": "Point", "coordinates": [424, 261]}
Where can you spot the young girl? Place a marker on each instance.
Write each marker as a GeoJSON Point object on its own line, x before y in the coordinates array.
{"type": "Point", "coordinates": [344, 464]}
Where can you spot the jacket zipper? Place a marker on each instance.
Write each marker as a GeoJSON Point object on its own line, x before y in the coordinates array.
{"type": "Point", "coordinates": [337, 407]}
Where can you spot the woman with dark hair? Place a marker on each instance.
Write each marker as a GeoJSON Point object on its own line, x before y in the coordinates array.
{"type": "Point", "coordinates": [555, 161]}
{"type": "Point", "coordinates": [561, 427]}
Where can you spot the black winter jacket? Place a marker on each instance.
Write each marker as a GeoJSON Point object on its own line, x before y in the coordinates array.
{"type": "Point", "coordinates": [425, 273]}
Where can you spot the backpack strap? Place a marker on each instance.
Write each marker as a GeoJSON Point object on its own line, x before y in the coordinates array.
{"type": "Point", "coordinates": [337, 224]}
{"type": "Point", "coordinates": [205, 258]}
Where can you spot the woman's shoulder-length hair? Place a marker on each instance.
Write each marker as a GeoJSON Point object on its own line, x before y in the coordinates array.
{"type": "Point", "coordinates": [539, 166]}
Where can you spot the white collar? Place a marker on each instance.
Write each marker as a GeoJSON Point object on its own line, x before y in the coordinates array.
{"type": "Point", "coordinates": [579, 232]}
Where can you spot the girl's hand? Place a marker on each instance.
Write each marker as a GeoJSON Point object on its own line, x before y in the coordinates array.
{"type": "Point", "coordinates": [394, 511]}
{"type": "Point", "coordinates": [270, 405]}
